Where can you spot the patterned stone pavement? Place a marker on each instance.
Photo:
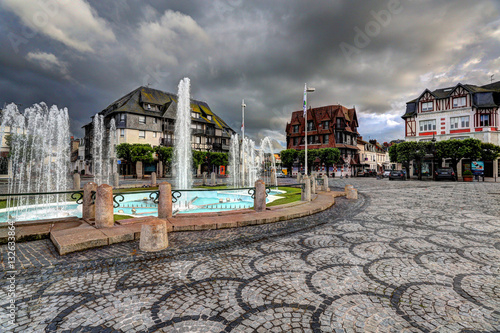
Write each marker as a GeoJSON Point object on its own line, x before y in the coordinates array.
{"type": "Point", "coordinates": [406, 257]}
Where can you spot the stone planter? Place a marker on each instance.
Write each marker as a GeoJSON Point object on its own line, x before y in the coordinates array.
{"type": "Point", "coordinates": [468, 178]}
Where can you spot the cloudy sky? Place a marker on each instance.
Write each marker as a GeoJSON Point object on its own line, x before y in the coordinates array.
{"type": "Point", "coordinates": [376, 55]}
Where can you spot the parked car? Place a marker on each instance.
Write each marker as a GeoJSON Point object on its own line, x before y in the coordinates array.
{"type": "Point", "coordinates": [444, 173]}
{"type": "Point", "coordinates": [397, 174]}
{"type": "Point", "coordinates": [372, 173]}
{"type": "Point", "coordinates": [361, 174]}
{"type": "Point", "coordinates": [280, 175]}
{"type": "Point", "coordinates": [386, 173]}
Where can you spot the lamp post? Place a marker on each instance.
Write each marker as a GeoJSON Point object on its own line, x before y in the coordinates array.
{"type": "Point", "coordinates": [433, 147]}
{"type": "Point", "coordinates": [243, 105]}
{"type": "Point", "coordinates": [306, 90]}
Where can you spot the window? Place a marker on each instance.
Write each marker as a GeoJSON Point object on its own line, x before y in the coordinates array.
{"type": "Point", "coordinates": [154, 134]}
{"type": "Point", "coordinates": [326, 138]}
{"type": "Point", "coordinates": [195, 115]}
{"type": "Point", "coordinates": [142, 119]}
{"type": "Point", "coordinates": [427, 106]}
{"type": "Point", "coordinates": [142, 134]}
{"type": "Point", "coordinates": [484, 120]}
{"type": "Point", "coordinates": [155, 120]}
{"type": "Point", "coordinates": [326, 124]}
{"type": "Point", "coordinates": [149, 106]}
{"type": "Point", "coordinates": [459, 122]}
{"type": "Point", "coordinates": [122, 116]}
{"type": "Point", "coordinates": [458, 102]}
{"type": "Point", "coordinates": [197, 139]}
{"type": "Point", "coordinates": [295, 141]}
{"type": "Point", "coordinates": [310, 125]}
{"type": "Point", "coordinates": [122, 132]}
{"type": "Point", "coordinates": [209, 117]}
{"type": "Point", "coordinates": [295, 128]}
{"type": "Point", "coordinates": [427, 125]}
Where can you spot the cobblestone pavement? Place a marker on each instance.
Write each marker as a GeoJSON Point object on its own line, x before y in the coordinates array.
{"type": "Point", "coordinates": [406, 257]}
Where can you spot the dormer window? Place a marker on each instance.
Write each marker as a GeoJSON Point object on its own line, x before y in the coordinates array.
{"type": "Point", "coordinates": [427, 106]}
{"type": "Point", "coordinates": [458, 102]}
{"type": "Point", "coordinates": [148, 106]}
{"type": "Point", "coordinates": [195, 115]}
{"type": "Point", "coordinates": [209, 117]}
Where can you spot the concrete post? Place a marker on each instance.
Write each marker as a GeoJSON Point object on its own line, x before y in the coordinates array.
{"type": "Point", "coordinates": [104, 207]}
{"type": "Point", "coordinates": [325, 183]}
{"type": "Point", "coordinates": [153, 179]}
{"type": "Point", "coordinates": [165, 201]}
{"type": "Point", "coordinates": [313, 184]}
{"type": "Point", "coordinates": [160, 169]}
{"type": "Point", "coordinates": [259, 201]}
{"type": "Point", "coordinates": [347, 188]}
{"type": "Point", "coordinates": [154, 236]}
{"type": "Point", "coordinates": [88, 208]}
{"type": "Point", "coordinates": [76, 182]}
{"type": "Point", "coordinates": [352, 193]}
{"type": "Point", "coordinates": [213, 179]}
{"type": "Point", "coordinates": [116, 177]}
{"type": "Point", "coordinates": [306, 192]}
{"type": "Point", "coordinates": [138, 170]}
{"type": "Point", "coordinates": [204, 178]}
{"type": "Point", "coordinates": [273, 178]}
{"type": "Point", "coordinates": [299, 178]}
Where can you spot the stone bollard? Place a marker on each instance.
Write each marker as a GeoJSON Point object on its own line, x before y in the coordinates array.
{"type": "Point", "coordinates": [138, 169]}
{"type": "Point", "coordinates": [76, 182]}
{"type": "Point", "coordinates": [154, 236]}
{"type": "Point", "coordinates": [104, 207]}
{"type": "Point", "coordinates": [299, 177]}
{"type": "Point", "coordinates": [325, 183]}
{"type": "Point", "coordinates": [274, 180]}
{"type": "Point", "coordinates": [116, 182]}
{"type": "Point", "coordinates": [306, 192]}
{"type": "Point", "coordinates": [259, 201]}
{"type": "Point", "coordinates": [153, 179]}
{"type": "Point", "coordinates": [313, 185]}
{"type": "Point", "coordinates": [165, 201]}
{"type": "Point", "coordinates": [204, 178]}
{"type": "Point", "coordinates": [88, 208]}
{"type": "Point", "coordinates": [160, 169]}
{"type": "Point", "coordinates": [347, 187]}
{"type": "Point", "coordinates": [352, 193]}
{"type": "Point", "coordinates": [213, 179]}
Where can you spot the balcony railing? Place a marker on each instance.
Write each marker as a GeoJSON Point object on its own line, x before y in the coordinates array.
{"type": "Point", "coordinates": [167, 142]}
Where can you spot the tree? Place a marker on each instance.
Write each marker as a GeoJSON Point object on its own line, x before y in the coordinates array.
{"type": "Point", "coordinates": [393, 153]}
{"type": "Point", "coordinates": [489, 151]}
{"type": "Point", "coordinates": [420, 150]}
{"type": "Point", "coordinates": [288, 157]}
{"type": "Point", "coordinates": [329, 156]}
{"type": "Point", "coordinates": [404, 154]}
{"type": "Point", "coordinates": [218, 159]}
{"type": "Point", "coordinates": [123, 152]}
{"type": "Point", "coordinates": [165, 155]}
{"type": "Point", "coordinates": [141, 152]}
{"type": "Point", "coordinates": [199, 157]}
{"type": "Point", "coordinates": [455, 150]}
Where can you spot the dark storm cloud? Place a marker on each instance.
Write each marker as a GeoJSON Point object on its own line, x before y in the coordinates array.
{"type": "Point", "coordinates": [375, 55]}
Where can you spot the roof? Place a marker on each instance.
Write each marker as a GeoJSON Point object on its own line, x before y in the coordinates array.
{"type": "Point", "coordinates": [446, 92]}
{"type": "Point", "coordinates": [134, 101]}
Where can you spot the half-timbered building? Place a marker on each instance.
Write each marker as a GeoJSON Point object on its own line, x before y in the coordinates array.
{"type": "Point", "coordinates": [332, 126]}
{"type": "Point", "coordinates": [459, 112]}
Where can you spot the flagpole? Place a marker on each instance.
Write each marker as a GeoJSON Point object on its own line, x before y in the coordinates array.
{"type": "Point", "coordinates": [243, 141]}
{"type": "Point", "coordinates": [306, 90]}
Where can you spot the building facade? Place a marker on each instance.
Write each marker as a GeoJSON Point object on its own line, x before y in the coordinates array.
{"type": "Point", "coordinates": [332, 126]}
{"type": "Point", "coordinates": [148, 115]}
{"type": "Point", "coordinates": [459, 112]}
{"type": "Point", "coordinates": [372, 156]}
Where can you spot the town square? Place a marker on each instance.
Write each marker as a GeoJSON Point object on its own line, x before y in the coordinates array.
{"type": "Point", "coordinates": [237, 166]}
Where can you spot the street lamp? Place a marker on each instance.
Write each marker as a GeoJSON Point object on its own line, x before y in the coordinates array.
{"type": "Point", "coordinates": [306, 90]}
{"type": "Point", "coordinates": [433, 147]}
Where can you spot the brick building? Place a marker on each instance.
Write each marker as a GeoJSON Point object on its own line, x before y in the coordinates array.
{"type": "Point", "coordinates": [332, 126]}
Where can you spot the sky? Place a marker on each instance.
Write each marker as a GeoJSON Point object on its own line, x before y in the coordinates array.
{"type": "Point", "coordinates": [374, 55]}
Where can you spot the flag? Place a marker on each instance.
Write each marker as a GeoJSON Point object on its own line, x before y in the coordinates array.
{"type": "Point", "coordinates": [305, 100]}
{"type": "Point", "coordinates": [242, 125]}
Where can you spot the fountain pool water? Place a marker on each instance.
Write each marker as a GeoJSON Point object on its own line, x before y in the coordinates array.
{"type": "Point", "coordinates": [139, 204]}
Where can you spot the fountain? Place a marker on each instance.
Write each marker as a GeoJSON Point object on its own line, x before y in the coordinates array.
{"type": "Point", "coordinates": [40, 156]}
{"type": "Point", "coordinates": [182, 148]}
{"type": "Point", "coordinates": [103, 150]}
